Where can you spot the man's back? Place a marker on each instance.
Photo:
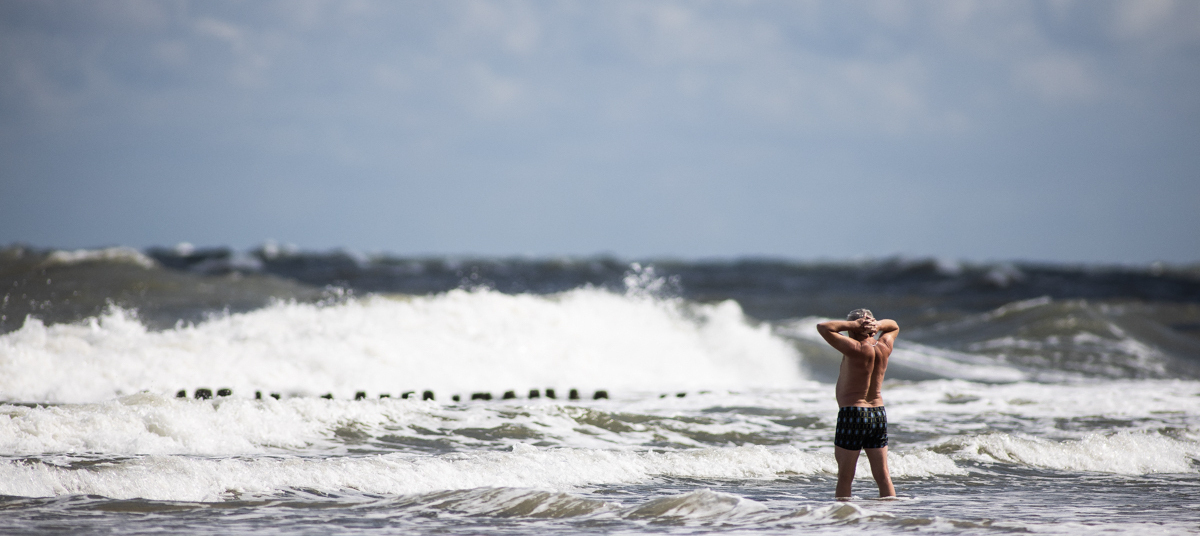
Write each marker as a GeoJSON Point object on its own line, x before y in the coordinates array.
{"type": "Point", "coordinates": [862, 371]}
{"type": "Point", "coordinates": [864, 358]}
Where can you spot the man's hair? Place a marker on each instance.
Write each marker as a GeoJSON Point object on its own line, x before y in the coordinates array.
{"type": "Point", "coordinates": [859, 313]}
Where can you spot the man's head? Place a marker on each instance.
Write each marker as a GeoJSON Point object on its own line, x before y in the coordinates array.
{"type": "Point", "coordinates": [865, 331]}
{"type": "Point", "coordinates": [859, 313]}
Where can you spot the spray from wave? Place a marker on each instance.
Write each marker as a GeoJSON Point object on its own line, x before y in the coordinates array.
{"type": "Point", "coordinates": [461, 340]}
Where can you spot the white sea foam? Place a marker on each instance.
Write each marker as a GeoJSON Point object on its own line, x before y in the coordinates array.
{"type": "Point", "coordinates": [209, 479]}
{"type": "Point", "coordinates": [148, 423]}
{"type": "Point", "coordinates": [1059, 339]}
{"type": "Point", "coordinates": [1121, 453]}
{"type": "Point", "coordinates": [510, 502]}
{"type": "Point", "coordinates": [116, 254]}
{"type": "Point", "coordinates": [953, 364]}
{"type": "Point", "coordinates": [937, 362]}
{"type": "Point", "coordinates": [151, 424]}
{"type": "Point", "coordinates": [457, 341]}
{"type": "Point", "coordinates": [955, 406]}
{"type": "Point", "coordinates": [700, 505]}
{"type": "Point", "coordinates": [842, 512]}
{"type": "Point", "coordinates": [1114, 354]}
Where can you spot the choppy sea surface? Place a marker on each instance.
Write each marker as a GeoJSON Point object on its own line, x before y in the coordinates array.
{"type": "Point", "coordinates": [356, 394]}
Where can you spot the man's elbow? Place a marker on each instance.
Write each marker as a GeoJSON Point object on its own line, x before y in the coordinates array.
{"type": "Point", "coordinates": [827, 332]}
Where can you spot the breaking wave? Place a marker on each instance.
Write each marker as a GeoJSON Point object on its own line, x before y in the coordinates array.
{"type": "Point", "coordinates": [453, 342]}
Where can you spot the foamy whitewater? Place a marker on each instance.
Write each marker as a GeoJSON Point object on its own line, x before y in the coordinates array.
{"type": "Point", "coordinates": [457, 341]}
{"type": "Point", "coordinates": [1047, 414]}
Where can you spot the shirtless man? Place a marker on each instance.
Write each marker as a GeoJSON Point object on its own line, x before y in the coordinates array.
{"type": "Point", "coordinates": [862, 420]}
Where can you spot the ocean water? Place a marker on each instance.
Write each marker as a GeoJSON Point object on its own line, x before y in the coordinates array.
{"type": "Point", "coordinates": [1022, 398]}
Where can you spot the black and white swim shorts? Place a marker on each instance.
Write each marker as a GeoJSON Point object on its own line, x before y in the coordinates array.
{"type": "Point", "coordinates": [861, 428]}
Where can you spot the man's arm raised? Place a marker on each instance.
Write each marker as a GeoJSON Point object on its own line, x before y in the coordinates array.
{"type": "Point", "coordinates": [888, 329]}
{"type": "Point", "coordinates": [830, 331]}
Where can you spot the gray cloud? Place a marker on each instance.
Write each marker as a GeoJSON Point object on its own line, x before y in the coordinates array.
{"type": "Point", "coordinates": [1060, 130]}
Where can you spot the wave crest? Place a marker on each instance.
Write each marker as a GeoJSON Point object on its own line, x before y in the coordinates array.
{"type": "Point", "coordinates": [457, 341]}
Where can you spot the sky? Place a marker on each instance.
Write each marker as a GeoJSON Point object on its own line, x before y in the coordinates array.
{"type": "Point", "coordinates": [1056, 131]}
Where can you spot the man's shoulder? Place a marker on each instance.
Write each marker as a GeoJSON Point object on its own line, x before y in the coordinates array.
{"type": "Point", "coordinates": [859, 351]}
{"type": "Point", "coordinates": [884, 349]}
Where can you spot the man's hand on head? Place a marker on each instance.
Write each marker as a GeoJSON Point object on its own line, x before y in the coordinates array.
{"type": "Point", "coordinates": [867, 325]}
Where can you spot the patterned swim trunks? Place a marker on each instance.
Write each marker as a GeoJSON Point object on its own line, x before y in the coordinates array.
{"type": "Point", "coordinates": [861, 428]}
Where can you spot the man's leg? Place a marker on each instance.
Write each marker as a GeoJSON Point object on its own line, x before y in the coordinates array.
{"type": "Point", "coordinates": [879, 469]}
{"type": "Point", "coordinates": [847, 461]}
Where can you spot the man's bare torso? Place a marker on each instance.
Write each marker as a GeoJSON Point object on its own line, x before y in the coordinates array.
{"type": "Point", "coordinates": [861, 376]}
{"type": "Point", "coordinates": [865, 351]}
